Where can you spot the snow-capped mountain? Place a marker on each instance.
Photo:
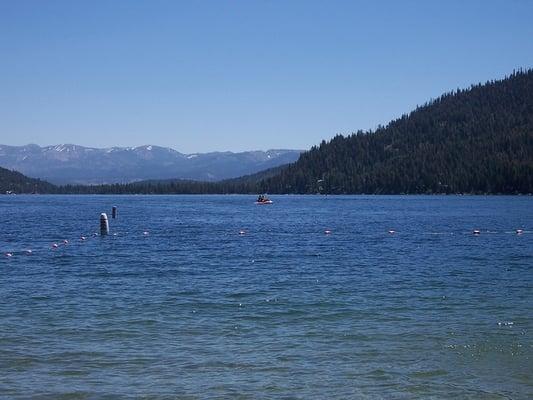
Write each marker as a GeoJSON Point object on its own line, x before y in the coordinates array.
{"type": "Point", "coordinates": [69, 163]}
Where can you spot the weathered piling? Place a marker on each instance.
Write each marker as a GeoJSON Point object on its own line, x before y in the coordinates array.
{"type": "Point", "coordinates": [114, 212]}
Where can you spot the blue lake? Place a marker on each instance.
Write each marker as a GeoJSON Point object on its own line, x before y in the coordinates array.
{"type": "Point", "coordinates": [176, 304]}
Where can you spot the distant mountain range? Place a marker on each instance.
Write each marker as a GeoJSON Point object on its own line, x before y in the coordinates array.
{"type": "Point", "coordinates": [73, 164]}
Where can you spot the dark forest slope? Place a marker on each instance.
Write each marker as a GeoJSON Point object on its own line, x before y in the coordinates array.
{"type": "Point", "coordinates": [478, 140]}
{"type": "Point", "coordinates": [12, 181]}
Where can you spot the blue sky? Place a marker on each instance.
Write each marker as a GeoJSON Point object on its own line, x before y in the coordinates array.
{"type": "Point", "coordinates": [238, 75]}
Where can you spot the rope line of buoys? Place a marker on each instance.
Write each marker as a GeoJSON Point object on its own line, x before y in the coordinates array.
{"type": "Point", "coordinates": [473, 232]}
{"type": "Point", "coordinates": [55, 245]}
{"type": "Point", "coordinates": [242, 232]}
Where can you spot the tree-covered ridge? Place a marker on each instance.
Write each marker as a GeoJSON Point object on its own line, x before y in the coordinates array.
{"type": "Point", "coordinates": [478, 140]}
{"type": "Point", "coordinates": [15, 182]}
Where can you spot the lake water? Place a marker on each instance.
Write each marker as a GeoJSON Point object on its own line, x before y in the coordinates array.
{"type": "Point", "coordinates": [192, 309]}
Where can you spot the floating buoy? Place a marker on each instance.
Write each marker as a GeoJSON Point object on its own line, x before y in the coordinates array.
{"type": "Point", "coordinates": [104, 224]}
{"type": "Point", "coordinates": [83, 238]}
{"type": "Point", "coordinates": [146, 233]}
{"type": "Point", "coordinates": [327, 232]}
{"type": "Point", "coordinates": [392, 232]}
{"type": "Point", "coordinates": [476, 232]}
{"type": "Point", "coordinates": [519, 231]}
{"type": "Point", "coordinates": [242, 232]}
{"type": "Point", "coordinates": [65, 241]}
{"type": "Point", "coordinates": [29, 251]}
{"type": "Point", "coordinates": [9, 254]}
{"type": "Point", "coordinates": [55, 245]}
{"type": "Point", "coordinates": [114, 212]}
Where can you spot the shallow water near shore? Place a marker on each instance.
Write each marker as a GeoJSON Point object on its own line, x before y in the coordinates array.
{"type": "Point", "coordinates": [178, 303]}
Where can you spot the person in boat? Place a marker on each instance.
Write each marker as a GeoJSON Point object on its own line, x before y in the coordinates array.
{"type": "Point", "coordinates": [260, 198]}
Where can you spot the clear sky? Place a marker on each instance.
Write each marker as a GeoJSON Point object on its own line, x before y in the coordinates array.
{"type": "Point", "coordinates": [238, 75]}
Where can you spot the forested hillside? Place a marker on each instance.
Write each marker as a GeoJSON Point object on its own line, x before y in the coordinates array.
{"type": "Point", "coordinates": [478, 140]}
{"type": "Point", "coordinates": [15, 182]}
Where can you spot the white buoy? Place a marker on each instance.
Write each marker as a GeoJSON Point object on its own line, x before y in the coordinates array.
{"type": "Point", "coordinates": [327, 232]}
{"type": "Point", "coordinates": [519, 231]}
{"type": "Point", "coordinates": [392, 231]}
{"type": "Point", "coordinates": [476, 232]}
{"type": "Point", "coordinates": [104, 224]}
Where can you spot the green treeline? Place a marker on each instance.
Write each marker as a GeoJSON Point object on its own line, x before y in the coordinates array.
{"type": "Point", "coordinates": [245, 184]}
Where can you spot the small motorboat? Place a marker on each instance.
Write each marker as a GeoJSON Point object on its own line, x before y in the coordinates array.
{"type": "Point", "coordinates": [262, 199]}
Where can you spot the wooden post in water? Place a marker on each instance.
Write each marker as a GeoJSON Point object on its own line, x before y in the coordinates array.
{"type": "Point", "coordinates": [104, 224]}
{"type": "Point", "coordinates": [114, 212]}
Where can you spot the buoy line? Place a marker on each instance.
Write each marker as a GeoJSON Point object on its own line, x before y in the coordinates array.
{"type": "Point", "coordinates": [104, 225]}
{"type": "Point", "coordinates": [58, 245]}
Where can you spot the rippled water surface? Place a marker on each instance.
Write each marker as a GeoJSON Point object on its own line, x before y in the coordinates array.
{"type": "Point", "coordinates": [175, 303]}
